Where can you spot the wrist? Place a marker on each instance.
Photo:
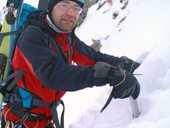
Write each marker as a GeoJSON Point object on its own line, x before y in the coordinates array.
{"type": "Point", "coordinates": [116, 76]}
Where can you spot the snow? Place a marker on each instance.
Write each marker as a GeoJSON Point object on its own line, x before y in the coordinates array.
{"type": "Point", "coordinates": [144, 36]}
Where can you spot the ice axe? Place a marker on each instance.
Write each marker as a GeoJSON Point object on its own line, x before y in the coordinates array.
{"type": "Point", "coordinates": [133, 102]}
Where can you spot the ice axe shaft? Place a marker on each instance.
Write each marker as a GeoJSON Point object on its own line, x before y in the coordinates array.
{"type": "Point", "coordinates": [134, 107]}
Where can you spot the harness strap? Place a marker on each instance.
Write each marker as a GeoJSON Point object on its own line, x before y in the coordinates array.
{"type": "Point", "coordinates": [55, 114]}
{"type": "Point", "coordinates": [30, 116]}
{"type": "Point", "coordinates": [19, 124]}
{"type": "Point", "coordinates": [37, 117]}
{"type": "Point", "coordinates": [16, 107]}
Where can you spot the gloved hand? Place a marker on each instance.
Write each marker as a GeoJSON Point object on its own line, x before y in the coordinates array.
{"type": "Point", "coordinates": [123, 82]}
{"type": "Point", "coordinates": [128, 64]}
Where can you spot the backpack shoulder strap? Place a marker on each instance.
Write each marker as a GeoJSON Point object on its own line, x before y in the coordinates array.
{"type": "Point", "coordinates": [7, 84]}
{"type": "Point", "coordinates": [58, 49]}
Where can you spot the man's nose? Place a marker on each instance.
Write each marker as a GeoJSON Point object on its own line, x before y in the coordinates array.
{"type": "Point", "coordinates": [71, 12]}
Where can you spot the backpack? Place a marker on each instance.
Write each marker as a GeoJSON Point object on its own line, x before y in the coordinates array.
{"type": "Point", "coordinates": [6, 85]}
{"type": "Point", "coordinates": [26, 10]}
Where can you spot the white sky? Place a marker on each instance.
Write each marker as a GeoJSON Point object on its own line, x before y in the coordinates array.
{"type": "Point", "coordinates": [144, 36]}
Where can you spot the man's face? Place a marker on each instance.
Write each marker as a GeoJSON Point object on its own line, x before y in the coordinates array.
{"type": "Point", "coordinates": [65, 15]}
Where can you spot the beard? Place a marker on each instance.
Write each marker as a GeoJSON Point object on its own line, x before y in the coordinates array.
{"type": "Point", "coordinates": [66, 24]}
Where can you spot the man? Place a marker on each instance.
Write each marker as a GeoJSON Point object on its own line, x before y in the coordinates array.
{"type": "Point", "coordinates": [45, 53]}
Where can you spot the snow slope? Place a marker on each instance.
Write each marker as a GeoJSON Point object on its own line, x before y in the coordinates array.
{"type": "Point", "coordinates": [144, 36]}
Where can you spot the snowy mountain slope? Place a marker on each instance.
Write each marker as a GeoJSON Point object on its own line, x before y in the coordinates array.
{"type": "Point", "coordinates": [144, 32]}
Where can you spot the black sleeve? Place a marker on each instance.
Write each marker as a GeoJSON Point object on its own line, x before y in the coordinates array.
{"type": "Point", "coordinates": [86, 55]}
{"type": "Point", "coordinates": [47, 66]}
